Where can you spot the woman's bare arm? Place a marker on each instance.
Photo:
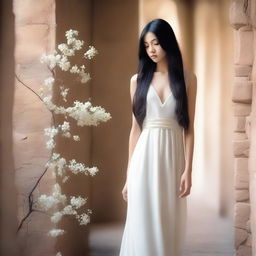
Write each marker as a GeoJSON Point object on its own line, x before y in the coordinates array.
{"type": "Point", "coordinates": [189, 135]}
{"type": "Point", "coordinates": [135, 129]}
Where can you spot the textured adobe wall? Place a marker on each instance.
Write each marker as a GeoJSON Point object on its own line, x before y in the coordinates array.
{"type": "Point", "coordinates": [34, 35]}
{"type": "Point", "coordinates": [242, 19]}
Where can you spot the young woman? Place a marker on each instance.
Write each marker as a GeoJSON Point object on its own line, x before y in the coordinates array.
{"type": "Point", "coordinates": [160, 147]}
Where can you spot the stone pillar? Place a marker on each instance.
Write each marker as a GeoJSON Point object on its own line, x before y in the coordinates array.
{"type": "Point", "coordinates": [8, 192]}
{"type": "Point", "coordinates": [34, 35]}
{"type": "Point", "coordinates": [242, 13]}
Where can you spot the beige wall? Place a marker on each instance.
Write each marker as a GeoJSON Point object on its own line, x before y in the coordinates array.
{"type": "Point", "coordinates": [75, 15]}
{"type": "Point", "coordinates": [213, 48]}
{"type": "Point", "coordinates": [115, 35]}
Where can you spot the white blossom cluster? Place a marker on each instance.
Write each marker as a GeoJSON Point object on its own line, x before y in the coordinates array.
{"type": "Point", "coordinates": [91, 52]}
{"type": "Point", "coordinates": [45, 202]}
{"type": "Point", "coordinates": [66, 50]}
{"type": "Point", "coordinates": [63, 129]}
{"type": "Point", "coordinates": [83, 113]}
{"type": "Point", "coordinates": [61, 166]}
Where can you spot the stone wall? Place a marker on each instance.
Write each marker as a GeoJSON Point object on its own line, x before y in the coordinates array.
{"type": "Point", "coordinates": [34, 35]}
{"type": "Point", "coordinates": [242, 19]}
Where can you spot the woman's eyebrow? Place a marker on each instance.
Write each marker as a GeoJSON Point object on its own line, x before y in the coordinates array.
{"type": "Point", "coordinates": [151, 40]}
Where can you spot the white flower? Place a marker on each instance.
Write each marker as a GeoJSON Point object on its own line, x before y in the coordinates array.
{"type": "Point", "coordinates": [85, 77]}
{"type": "Point", "coordinates": [77, 202]}
{"type": "Point", "coordinates": [51, 132]}
{"type": "Point", "coordinates": [76, 167]}
{"type": "Point", "coordinates": [66, 50]}
{"type": "Point", "coordinates": [91, 52]}
{"type": "Point", "coordinates": [87, 115]}
{"type": "Point", "coordinates": [77, 44]}
{"type": "Point", "coordinates": [56, 217]}
{"type": "Point", "coordinates": [64, 64]}
{"type": "Point", "coordinates": [93, 170]}
{"type": "Point", "coordinates": [65, 126]}
{"type": "Point", "coordinates": [70, 33]}
{"type": "Point", "coordinates": [56, 232]}
{"type": "Point", "coordinates": [68, 210]}
{"type": "Point", "coordinates": [48, 82]}
{"type": "Point", "coordinates": [83, 219]}
{"type": "Point", "coordinates": [55, 156]}
{"type": "Point", "coordinates": [59, 254]}
{"type": "Point", "coordinates": [61, 163]}
{"type": "Point", "coordinates": [57, 194]}
{"type": "Point", "coordinates": [74, 69]}
{"type": "Point", "coordinates": [50, 144]}
{"type": "Point", "coordinates": [51, 60]}
{"type": "Point", "coordinates": [48, 102]}
{"type": "Point", "coordinates": [76, 138]}
{"type": "Point", "coordinates": [46, 202]}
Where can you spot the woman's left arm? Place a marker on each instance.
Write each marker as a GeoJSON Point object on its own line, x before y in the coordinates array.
{"type": "Point", "coordinates": [186, 182]}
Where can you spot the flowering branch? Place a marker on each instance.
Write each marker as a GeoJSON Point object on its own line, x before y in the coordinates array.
{"type": "Point", "coordinates": [84, 114]}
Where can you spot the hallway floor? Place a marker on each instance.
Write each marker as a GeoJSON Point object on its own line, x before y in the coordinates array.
{"type": "Point", "coordinates": [208, 234]}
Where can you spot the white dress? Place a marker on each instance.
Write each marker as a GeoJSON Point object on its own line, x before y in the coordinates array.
{"type": "Point", "coordinates": [156, 217]}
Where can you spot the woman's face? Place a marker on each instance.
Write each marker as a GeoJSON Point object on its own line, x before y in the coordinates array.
{"type": "Point", "coordinates": [153, 48]}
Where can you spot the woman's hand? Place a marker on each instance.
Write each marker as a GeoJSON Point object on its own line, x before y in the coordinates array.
{"type": "Point", "coordinates": [185, 184]}
{"type": "Point", "coordinates": [124, 192]}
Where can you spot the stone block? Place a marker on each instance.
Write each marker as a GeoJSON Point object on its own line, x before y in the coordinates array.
{"type": "Point", "coordinates": [30, 11]}
{"type": "Point", "coordinates": [241, 195]}
{"type": "Point", "coordinates": [239, 136]}
{"type": "Point", "coordinates": [239, 123]}
{"type": "Point", "coordinates": [241, 148]}
{"type": "Point", "coordinates": [249, 240]}
{"type": "Point", "coordinates": [32, 41]}
{"type": "Point", "coordinates": [241, 214]}
{"type": "Point", "coordinates": [243, 46]}
{"type": "Point", "coordinates": [253, 13]}
{"type": "Point", "coordinates": [248, 126]}
{"type": "Point", "coordinates": [237, 15]}
{"type": "Point", "coordinates": [242, 92]}
{"type": "Point", "coordinates": [240, 236]}
{"type": "Point", "coordinates": [248, 224]}
{"type": "Point", "coordinates": [244, 250]}
{"type": "Point", "coordinates": [241, 109]}
{"type": "Point", "coordinates": [242, 70]}
{"type": "Point", "coordinates": [253, 72]}
{"type": "Point", "coordinates": [241, 174]}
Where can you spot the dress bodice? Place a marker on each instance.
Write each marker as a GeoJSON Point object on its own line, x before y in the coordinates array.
{"type": "Point", "coordinates": [157, 109]}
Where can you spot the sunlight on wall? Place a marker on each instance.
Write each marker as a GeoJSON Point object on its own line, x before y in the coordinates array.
{"type": "Point", "coordinates": [164, 9]}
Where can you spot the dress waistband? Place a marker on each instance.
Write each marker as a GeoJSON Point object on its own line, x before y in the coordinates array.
{"type": "Point", "coordinates": [169, 123]}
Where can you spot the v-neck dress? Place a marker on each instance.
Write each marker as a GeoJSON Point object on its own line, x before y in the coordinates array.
{"type": "Point", "coordinates": [156, 217]}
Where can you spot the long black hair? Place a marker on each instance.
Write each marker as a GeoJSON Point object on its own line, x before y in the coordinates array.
{"type": "Point", "coordinates": [147, 67]}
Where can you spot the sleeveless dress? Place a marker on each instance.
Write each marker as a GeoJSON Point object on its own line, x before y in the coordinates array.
{"type": "Point", "coordinates": [156, 217]}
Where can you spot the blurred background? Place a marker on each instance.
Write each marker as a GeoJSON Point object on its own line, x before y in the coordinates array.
{"type": "Point", "coordinates": [216, 40]}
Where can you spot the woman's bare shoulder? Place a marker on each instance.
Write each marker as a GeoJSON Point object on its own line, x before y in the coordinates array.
{"type": "Point", "coordinates": [188, 74]}
{"type": "Point", "coordinates": [133, 82]}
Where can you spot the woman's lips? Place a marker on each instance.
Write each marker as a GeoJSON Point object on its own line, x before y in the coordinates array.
{"type": "Point", "coordinates": [153, 56]}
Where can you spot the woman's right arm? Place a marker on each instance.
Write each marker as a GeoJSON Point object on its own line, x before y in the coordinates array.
{"type": "Point", "coordinates": [135, 129]}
